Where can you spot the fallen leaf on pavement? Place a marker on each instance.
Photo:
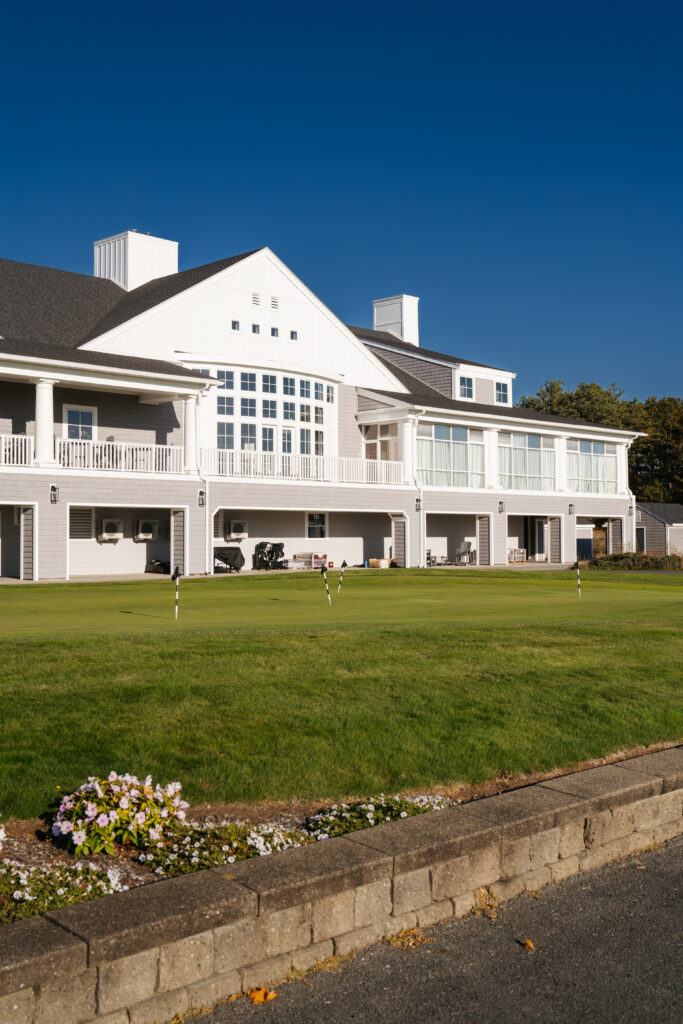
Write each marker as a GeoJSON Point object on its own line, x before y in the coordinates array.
{"type": "Point", "coordinates": [528, 945]}
{"type": "Point", "coordinates": [261, 995]}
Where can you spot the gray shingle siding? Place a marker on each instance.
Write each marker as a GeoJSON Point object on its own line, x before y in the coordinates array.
{"type": "Point", "coordinates": [434, 374]}
{"type": "Point", "coordinates": [350, 440]}
{"type": "Point", "coordinates": [119, 415]}
{"type": "Point", "coordinates": [484, 391]}
{"type": "Point", "coordinates": [655, 533]}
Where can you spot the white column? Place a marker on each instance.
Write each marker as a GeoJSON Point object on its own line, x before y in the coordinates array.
{"type": "Point", "coordinates": [45, 441]}
{"type": "Point", "coordinates": [622, 469]}
{"type": "Point", "coordinates": [561, 463]}
{"type": "Point", "coordinates": [190, 464]}
{"type": "Point", "coordinates": [491, 458]}
{"type": "Point", "coordinates": [406, 447]}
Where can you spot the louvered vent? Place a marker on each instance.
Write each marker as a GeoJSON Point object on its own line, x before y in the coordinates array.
{"type": "Point", "coordinates": [274, 302]}
{"type": "Point", "coordinates": [80, 524]}
{"type": "Point", "coordinates": [218, 526]}
{"type": "Point", "coordinates": [255, 299]}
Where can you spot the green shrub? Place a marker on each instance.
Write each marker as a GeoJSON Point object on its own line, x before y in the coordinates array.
{"type": "Point", "coordinates": [194, 846]}
{"type": "Point", "coordinates": [637, 560]}
{"type": "Point", "coordinates": [26, 890]}
{"type": "Point", "coordinates": [342, 818]}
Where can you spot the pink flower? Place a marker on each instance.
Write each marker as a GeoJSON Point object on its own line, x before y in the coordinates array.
{"type": "Point", "coordinates": [90, 812]}
{"type": "Point", "coordinates": [103, 820]}
{"type": "Point", "coordinates": [123, 803]}
{"type": "Point", "coordinates": [180, 814]}
{"type": "Point", "coordinates": [79, 837]}
{"type": "Point", "coordinates": [66, 827]}
{"type": "Point", "coordinates": [112, 776]}
{"type": "Point", "coordinates": [113, 815]}
{"type": "Point", "coordinates": [141, 817]}
{"type": "Point", "coordinates": [154, 834]}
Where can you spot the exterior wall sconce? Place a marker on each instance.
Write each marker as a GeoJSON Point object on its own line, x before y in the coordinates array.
{"type": "Point", "coordinates": [630, 510]}
{"type": "Point", "coordinates": [571, 510]}
{"type": "Point", "coordinates": [418, 504]}
{"type": "Point", "coordinates": [54, 495]}
{"type": "Point", "coordinates": [501, 506]}
{"type": "Point", "coordinates": [202, 498]}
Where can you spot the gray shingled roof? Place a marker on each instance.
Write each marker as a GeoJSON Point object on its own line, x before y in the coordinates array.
{"type": "Point", "coordinates": [388, 339]}
{"type": "Point", "coordinates": [420, 394]}
{"type": "Point", "coordinates": [50, 313]}
{"type": "Point", "coordinates": [670, 514]}
{"type": "Point", "coordinates": [87, 357]}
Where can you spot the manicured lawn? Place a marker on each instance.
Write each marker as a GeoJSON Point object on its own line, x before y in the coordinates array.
{"type": "Point", "coordinates": [261, 691]}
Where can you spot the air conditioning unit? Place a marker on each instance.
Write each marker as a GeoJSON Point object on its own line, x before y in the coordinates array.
{"type": "Point", "coordinates": [110, 529]}
{"type": "Point", "coordinates": [146, 529]}
{"type": "Point", "coordinates": [237, 529]}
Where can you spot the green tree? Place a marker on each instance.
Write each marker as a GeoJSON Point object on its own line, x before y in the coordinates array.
{"type": "Point", "coordinates": [655, 461]}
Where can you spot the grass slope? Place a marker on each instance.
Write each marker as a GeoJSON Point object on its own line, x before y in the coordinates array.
{"type": "Point", "coordinates": [261, 691]}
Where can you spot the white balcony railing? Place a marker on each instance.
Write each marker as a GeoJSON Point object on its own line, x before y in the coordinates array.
{"type": "Point", "coordinates": [277, 466]}
{"type": "Point", "coordinates": [119, 457]}
{"type": "Point", "coordinates": [16, 450]}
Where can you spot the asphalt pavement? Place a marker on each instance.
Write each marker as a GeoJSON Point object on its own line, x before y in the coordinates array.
{"type": "Point", "coordinates": [608, 948]}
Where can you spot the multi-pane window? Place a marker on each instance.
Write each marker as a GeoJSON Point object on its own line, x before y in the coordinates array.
{"type": "Point", "coordinates": [287, 441]}
{"type": "Point", "coordinates": [330, 393]}
{"type": "Point", "coordinates": [293, 335]}
{"type": "Point", "coordinates": [248, 406]}
{"type": "Point", "coordinates": [318, 414]}
{"type": "Point", "coordinates": [225, 437]}
{"type": "Point", "coordinates": [318, 388]}
{"type": "Point", "coordinates": [315, 525]}
{"type": "Point", "coordinates": [255, 329]}
{"type": "Point", "coordinates": [319, 443]}
{"type": "Point", "coordinates": [381, 442]}
{"type": "Point", "coordinates": [288, 386]}
{"type": "Point", "coordinates": [79, 424]}
{"type": "Point", "coordinates": [591, 466]}
{"type": "Point", "coordinates": [274, 332]}
{"type": "Point", "coordinates": [268, 439]}
{"type": "Point", "coordinates": [501, 392]}
{"type": "Point", "coordinates": [235, 325]}
{"type": "Point", "coordinates": [450, 456]}
{"type": "Point", "coordinates": [248, 437]}
{"type": "Point", "coordinates": [203, 371]}
{"type": "Point", "coordinates": [270, 383]}
{"type": "Point", "coordinates": [269, 409]}
{"type": "Point", "coordinates": [248, 381]}
{"type": "Point", "coordinates": [305, 388]}
{"type": "Point", "coordinates": [466, 387]}
{"type": "Point", "coordinates": [305, 441]}
{"type": "Point", "coordinates": [289, 410]}
{"type": "Point", "coordinates": [526, 462]}
{"type": "Point", "coordinates": [227, 380]}
{"type": "Point", "coordinates": [305, 413]}
{"type": "Point", "coordinates": [225, 405]}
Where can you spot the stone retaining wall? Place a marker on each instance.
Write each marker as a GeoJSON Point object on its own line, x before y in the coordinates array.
{"type": "Point", "coordinates": [145, 955]}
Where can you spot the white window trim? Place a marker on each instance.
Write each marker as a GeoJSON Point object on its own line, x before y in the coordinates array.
{"type": "Point", "coordinates": [461, 398]}
{"type": "Point", "coordinates": [66, 408]}
{"type": "Point", "coordinates": [506, 383]}
{"type": "Point", "coordinates": [327, 525]}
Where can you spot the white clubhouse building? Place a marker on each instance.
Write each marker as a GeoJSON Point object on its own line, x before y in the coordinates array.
{"type": "Point", "coordinates": [147, 413]}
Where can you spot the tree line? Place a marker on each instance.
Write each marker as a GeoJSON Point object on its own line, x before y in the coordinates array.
{"type": "Point", "coordinates": [656, 461]}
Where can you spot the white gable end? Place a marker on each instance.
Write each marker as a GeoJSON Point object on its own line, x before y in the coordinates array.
{"type": "Point", "coordinates": [196, 326]}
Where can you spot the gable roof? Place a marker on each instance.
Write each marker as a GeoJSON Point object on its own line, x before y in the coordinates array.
{"type": "Point", "coordinates": [388, 340]}
{"type": "Point", "coordinates": [139, 300]}
{"type": "Point", "coordinates": [49, 313]}
{"type": "Point", "coordinates": [671, 514]}
{"type": "Point", "coordinates": [421, 394]}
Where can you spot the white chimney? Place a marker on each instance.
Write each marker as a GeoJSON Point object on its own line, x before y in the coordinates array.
{"type": "Point", "coordinates": [398, 315]}
{"type": "Point", "coordinates": [131, 259]}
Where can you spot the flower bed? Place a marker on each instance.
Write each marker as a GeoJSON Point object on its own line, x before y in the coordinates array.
{"type": "Point", "coordinates": [105, 817]}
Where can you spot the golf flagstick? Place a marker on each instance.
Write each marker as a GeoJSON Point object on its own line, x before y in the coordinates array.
{"type": "Point", "coordinates": [323, 573]}
{"type": "Point", "coordinates": [176, 576]}
{"type": "Point", "coordinates": [578, 577]}
{"type": "Point", "coordinates": [341, 577]}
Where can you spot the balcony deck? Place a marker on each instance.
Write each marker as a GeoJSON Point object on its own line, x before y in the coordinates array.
{"type": "Point", "coordinates": [278, 466]}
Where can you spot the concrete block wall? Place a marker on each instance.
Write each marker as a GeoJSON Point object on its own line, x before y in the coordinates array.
{"type": "Point", "coordinates": [145, 955]}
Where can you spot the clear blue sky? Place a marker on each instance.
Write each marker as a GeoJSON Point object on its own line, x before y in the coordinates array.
{"type": "Point", "coordinates": [519, 166]}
